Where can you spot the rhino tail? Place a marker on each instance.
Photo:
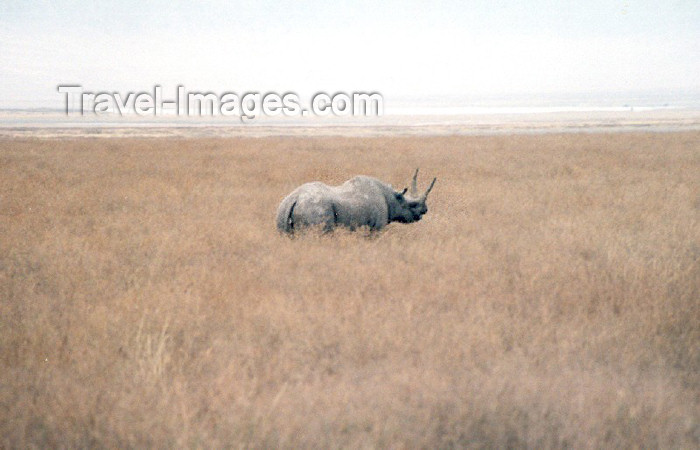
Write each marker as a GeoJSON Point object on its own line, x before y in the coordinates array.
{"type": "Point", "coordinates": [285, 222]}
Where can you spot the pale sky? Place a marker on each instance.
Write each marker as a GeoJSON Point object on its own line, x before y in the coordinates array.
{"type": "Point", "coordinates": [397, 48]}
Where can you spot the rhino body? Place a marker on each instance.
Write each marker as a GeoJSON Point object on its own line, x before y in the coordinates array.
{"type": "Point", "coordinates": [360, 201]}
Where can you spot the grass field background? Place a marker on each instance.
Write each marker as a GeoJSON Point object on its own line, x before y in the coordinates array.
{"type": "Point", "coordinates": [549, 298]}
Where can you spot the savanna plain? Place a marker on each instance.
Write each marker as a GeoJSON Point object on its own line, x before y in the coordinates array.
{"type": "Point", "coordinates": [549, 298]}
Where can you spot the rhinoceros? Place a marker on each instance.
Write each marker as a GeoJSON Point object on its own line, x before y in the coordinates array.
{"type": "Point", "coordinates": [360, 201]}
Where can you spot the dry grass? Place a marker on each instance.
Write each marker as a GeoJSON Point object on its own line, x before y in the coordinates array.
{"type": "Point", "coordinates": [550, 297]}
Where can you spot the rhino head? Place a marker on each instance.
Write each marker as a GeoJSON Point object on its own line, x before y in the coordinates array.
{"type": "Point", "coordinates": [410, 207]}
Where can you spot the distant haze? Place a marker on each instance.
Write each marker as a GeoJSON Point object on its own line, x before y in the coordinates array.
{"type": "Point", "coordinates": [400, 49]}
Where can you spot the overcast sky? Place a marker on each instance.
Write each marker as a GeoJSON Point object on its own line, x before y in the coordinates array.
{"type": "Point", "coordinates": [466, 48]}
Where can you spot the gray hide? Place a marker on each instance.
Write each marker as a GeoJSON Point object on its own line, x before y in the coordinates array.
{"type": "Point", "coordinates": [360, 201]}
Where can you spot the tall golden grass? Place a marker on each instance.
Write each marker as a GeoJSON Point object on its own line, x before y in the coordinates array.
{"type": "Point", "coordinates": [549, 298]}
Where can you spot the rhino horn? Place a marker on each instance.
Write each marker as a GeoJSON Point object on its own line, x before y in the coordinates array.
{"type": "Point", "coordinates": [429, 189]}
{"type": "Point", "coordinates": [414, 186]}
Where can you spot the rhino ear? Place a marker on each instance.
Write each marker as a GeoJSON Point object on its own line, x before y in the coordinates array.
{"type": "Point", "coordinates": [399, 195]}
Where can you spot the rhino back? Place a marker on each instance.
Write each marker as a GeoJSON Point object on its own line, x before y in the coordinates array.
{"type": "Point", "coordinates": [361, 201]}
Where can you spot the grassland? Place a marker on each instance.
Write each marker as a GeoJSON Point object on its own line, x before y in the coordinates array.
{"type": "Point", "coordinates": [549, 298]}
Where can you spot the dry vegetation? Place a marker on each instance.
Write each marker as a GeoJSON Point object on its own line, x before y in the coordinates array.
{"type": "Point", "coordinates": [549, 298]}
